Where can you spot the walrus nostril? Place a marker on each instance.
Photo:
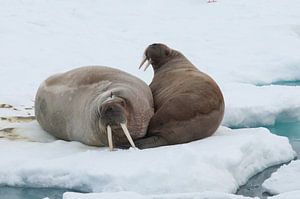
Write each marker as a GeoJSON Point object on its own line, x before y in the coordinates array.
{"type": "Point", "coordinates": [107, 110]}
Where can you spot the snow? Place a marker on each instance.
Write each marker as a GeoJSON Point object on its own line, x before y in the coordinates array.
{"type": "Point", "coordinates": [121, 195]}
{"type": "Point", "coordinates": [285, 179]}
{"type": "Point", "coordinates": [287, 195]}
{"type": "Point", "coordinates": [244, 45]}
{"type": "Point", "coordinates": [202, 195]}
{"type": "Point", "coordinates": [239, 43]}
{"type": "Point", "coordinates": [251, 106]}
{"type": "Point", "coordinates": [221, 163]}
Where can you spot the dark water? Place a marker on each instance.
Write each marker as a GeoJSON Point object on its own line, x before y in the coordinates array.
{"type": "Point", "coordinates": [253, 187]}
{"type": "Point", "coordinates": [30, 193]}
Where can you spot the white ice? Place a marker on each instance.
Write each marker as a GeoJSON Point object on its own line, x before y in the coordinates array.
{"type": "Point", "coordinates": [133, 195]}
{"type": "Point", "coordinates": [221, 163]}
{"type": "Point", "coordinates": [236, 42]}
{"type": "Point", "coordinates": [287, 195]}
{"type": "Point", "coordinates": [202, 195]}
{"type": "Point", "coordinates": [285, 179]}
{"type": "Point", "coordinates": [251, 106]}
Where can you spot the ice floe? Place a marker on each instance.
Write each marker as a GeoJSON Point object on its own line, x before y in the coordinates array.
{"type": "Point", "coordinates": [132, 195]}
{"type": "Point", "coordinates": [285, 179]}
{"type": "Point", "coordinates": [221, 163]}
{"type": "Point", "coordinates": [287, 195]}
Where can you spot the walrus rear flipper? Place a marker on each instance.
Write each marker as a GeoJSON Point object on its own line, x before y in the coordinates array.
{"type": "Point", "coordinates": [150, 142]}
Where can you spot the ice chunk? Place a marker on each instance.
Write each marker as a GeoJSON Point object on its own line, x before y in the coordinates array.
{"type": "Point", "coordinates": [287, 195]}
{"type": "Point", "coordinates": [285, 179]}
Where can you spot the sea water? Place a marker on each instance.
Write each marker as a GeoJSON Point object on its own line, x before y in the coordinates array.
{"type": "Point", "coordinates": [290, 130]}
{"type": "Point", "coordinates": [30, 193]}
{"type": "Point", "coordinates": [287, 83]}
{"type": "Point", "coordinates": [282, 83]}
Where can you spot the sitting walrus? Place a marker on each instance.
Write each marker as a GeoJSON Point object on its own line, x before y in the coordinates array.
{"type": "Point", "coordinates": [96, 105]}
{"type": "Point", "coordinates": [188, 103]}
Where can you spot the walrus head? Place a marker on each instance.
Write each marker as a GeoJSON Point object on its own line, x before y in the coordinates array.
{"type": "Point", "coordinates": [113, 115]}
{"type": "Point", "coordinates": [157, 54]}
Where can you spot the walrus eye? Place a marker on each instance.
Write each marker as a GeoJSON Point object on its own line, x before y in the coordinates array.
{"type": "Point", "coordinates": [167, 52]}
{"type": "Point", "coordinates": [123, 103]}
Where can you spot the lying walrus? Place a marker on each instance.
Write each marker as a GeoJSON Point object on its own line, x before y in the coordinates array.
{"type": "Point", "coordinates": [188, 103]}
{"type": "Point", "coordinates": [95, 105]}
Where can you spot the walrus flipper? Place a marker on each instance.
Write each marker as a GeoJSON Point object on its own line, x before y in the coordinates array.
{"type": "Point", "coordinates": [150, 142]}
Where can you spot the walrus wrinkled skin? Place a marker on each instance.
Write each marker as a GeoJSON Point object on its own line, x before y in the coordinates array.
{"type": "Point", "coordinates": [188, 103]}
{"type": "Point", "coordinates": [88, 103]}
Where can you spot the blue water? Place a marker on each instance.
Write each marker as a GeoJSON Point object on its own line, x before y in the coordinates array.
{"type": "Point", "coordinates": [290, 130]}
{"type": "Point", "coordinates": [283, 83]}
{"type": "Point", "coordinates": [288, 83]}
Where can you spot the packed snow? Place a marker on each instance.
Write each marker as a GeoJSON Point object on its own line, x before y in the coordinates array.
{"type": "Point", "coordinates": [221, 163]}
{"type": "Point", "coordinates": [251, 106]}
{"type": "Point", "coordinates": [244, 45]}
{"type": "Point", "coordinates": [287, 195]}
{"type": "Point", "coordinates": [202, 195]}
{"type": "Point", "coordinates": [132, 195]}
{"type": "Point", "coordinates": [285, 179]}
{"type": "Point", "coordinates": [239, 43]}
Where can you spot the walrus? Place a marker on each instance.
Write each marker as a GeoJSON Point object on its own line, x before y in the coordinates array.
{"type": "Point", "coordinates": [95, 105]}
{"type": "Point", "coordinates": [188, 103]}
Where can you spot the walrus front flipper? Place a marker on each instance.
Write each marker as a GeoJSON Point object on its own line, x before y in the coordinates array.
{"type": "Point", "coordinates": [150, 142]}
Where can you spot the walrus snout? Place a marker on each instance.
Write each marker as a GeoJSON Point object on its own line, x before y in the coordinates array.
{"type": "Point", "coordinates": [155, 54]}
{"type": "Point", "coordinates": [112, 114]}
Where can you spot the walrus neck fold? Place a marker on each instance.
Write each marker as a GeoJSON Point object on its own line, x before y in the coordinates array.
{"type": "Point", "coordinates": [166, 64]}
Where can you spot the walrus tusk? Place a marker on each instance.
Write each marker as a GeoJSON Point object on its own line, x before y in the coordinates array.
{"type": "Point", "coordinates": [147, 65]}
{"type": "Point", "coordinates": [143, 61]}
{"type": "Point", "coordinates": [126, 132]}
{"type": "Point", "coordinates": [109, 136]}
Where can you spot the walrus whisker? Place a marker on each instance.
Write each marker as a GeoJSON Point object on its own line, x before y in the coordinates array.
{"type": "Point", "coordinates": [109, 136]}
{"type": "Point", "coordinates": [147, 64]}
{"type": "Point", "coordinates": [126, 132]}
{"type": "Point", "coordinates": [143, 61]}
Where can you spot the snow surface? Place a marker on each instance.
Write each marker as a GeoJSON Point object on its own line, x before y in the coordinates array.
{"type": "Point", "coordinates": [202, 195]}
{"type": "Point", "coordinates": [285, 179]}
{"type": "Point", "coordinates": [244, 45]}
{"type": "Point", "coordinates": [132, 195]}
{"type": "Point", "coordinates": [220, 163]}
{"type": "Point", "coordinates": [287, 195]}
{"type": "Point", "coordinates": [236, 42]}
{"type": "Point", "coordinates": [251, 106]}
